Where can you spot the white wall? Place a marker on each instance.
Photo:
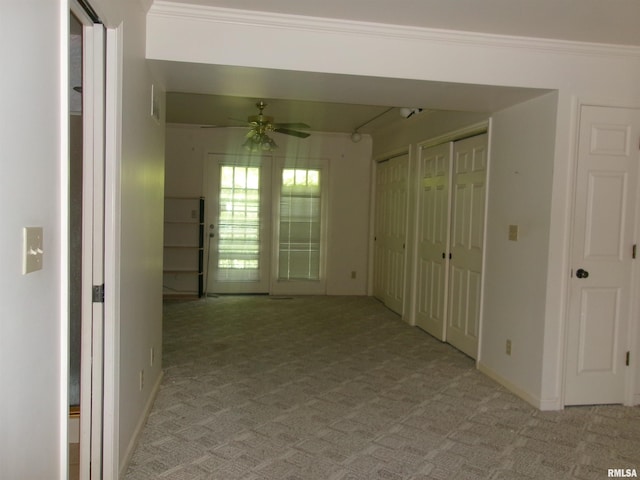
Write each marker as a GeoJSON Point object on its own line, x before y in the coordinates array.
{"type": "Point", "coordinates": [520, 187]}
{"type": "Point", "coordinates": [33, 311]}
{"type": "Point", "coordinates": [141, 231]}
{"type": "Point", "coordinates": [349, 184]}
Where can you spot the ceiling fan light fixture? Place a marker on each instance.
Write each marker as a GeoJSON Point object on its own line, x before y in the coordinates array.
{"type": "Point", "coordinates": [260, 142]}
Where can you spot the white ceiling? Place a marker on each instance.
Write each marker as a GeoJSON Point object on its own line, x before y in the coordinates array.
{"type": "Point", "coordinates": [341, 103]}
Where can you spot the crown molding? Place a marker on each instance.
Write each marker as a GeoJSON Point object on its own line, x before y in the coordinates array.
{"type": "Point", "coordinates": [217, 15]}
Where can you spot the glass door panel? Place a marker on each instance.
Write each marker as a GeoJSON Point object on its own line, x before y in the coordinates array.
{"type": "Point", "coordinates": [238, 203]}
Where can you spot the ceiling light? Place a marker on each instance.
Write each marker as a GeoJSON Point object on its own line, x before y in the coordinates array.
{"type": "Point", "coordinates": [260, 142]}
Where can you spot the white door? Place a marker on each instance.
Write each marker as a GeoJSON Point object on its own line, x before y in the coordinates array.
{"type": "Point", "coordinates": [603, 229]}
{"type": "Point", "coordinates": [469, 191]}
{"type": "Point", "coordinates": [92, 314]}
{"type": "Point", "coordinates": [433, 239]}
{"type": "Point", "coordinates": [238, 212]}
{"type": "Point", "coordinates": [390, 231]}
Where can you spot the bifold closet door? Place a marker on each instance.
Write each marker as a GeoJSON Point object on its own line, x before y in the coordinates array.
{"type": "Point", "coordinates": [390, 231]}
{"type": "Point", "coordinates": [433, 239]}
{"type": "Point", "coordinates": [451, 214]}
{"type": "Point", "coordinates": [468, 198]}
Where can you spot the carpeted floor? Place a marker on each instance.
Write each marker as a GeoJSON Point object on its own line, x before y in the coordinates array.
{"type": "Point", "coordinates": [337, 388]}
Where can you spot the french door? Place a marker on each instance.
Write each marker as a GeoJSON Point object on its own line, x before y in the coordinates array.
{"type": "Point", "coordinates": [602, 253]}
{"type": "Point", "coordinates": [238, 212]}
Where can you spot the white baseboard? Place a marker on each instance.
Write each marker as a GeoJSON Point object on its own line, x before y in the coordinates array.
{"type": "Point", "coordinates": [547, 404]}
{"type": "Point", "coordinates": [124, 465]}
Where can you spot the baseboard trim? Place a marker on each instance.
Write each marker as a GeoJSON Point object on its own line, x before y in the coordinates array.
{"type": "Point", "coordinates": [549, 404]}
{"type": "Point", "coordinates": [124, 465]}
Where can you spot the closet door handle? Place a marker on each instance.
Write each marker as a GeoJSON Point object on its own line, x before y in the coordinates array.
{"type": "Point", "coordinates": [581, 273]}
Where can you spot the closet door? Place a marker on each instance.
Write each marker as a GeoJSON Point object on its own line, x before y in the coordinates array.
{"type": "Point", "coordinates": [467, 243]}
{"type": "Point", "coordinates": [433, 239]}
{"type": "Point", "coordinates": [390, 231]}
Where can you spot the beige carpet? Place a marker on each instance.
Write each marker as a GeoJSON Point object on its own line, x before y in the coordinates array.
{"type": "Point", "coordinates": [337, 388]}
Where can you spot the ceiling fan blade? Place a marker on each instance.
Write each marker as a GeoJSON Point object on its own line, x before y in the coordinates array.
{"type": "Point", "coordinates": [295, 133]}
{"type": "Point", "coordinates": [291, 125]}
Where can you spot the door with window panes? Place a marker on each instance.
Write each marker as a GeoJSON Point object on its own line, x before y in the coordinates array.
{"type": "Point", "coordinates": [245, 255]}
{"type": "Point", "coordinates": [238, 196]}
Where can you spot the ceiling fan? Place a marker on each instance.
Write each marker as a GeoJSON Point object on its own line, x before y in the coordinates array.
{"type": "Point", "coordinates": [258, 139]}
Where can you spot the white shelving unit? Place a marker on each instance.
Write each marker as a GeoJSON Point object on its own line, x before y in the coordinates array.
{"type": "Point", "coordinates": [183, 247]}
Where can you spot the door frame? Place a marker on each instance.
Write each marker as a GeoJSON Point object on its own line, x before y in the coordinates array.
{"type": "Point", "coordinates": [633, 322]}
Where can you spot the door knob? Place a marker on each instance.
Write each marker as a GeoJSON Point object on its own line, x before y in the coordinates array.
{"type": "Point", "coordinates": [581, 273]}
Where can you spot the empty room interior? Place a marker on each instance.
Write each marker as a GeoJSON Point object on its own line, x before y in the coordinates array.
{"type": "Point", "coordinates": [336, 240]}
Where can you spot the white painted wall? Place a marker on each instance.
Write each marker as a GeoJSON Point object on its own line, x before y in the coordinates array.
{"type": "Point", "coordinates": [33, 310]}
{"type": "Point", "coordinates": [520, 187]}
{"type": "Point", "coordinates": [349, 184]}
{"type": "Point", "coordinates": [141, 231]}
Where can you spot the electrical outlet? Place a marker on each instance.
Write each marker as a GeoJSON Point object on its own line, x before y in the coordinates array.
{"type": "Point", "coordinates": [141, 379]}
{"type": "Point", "coordinates": [513, 233]}
{"type": "Point", "coordinates": [508, 347]}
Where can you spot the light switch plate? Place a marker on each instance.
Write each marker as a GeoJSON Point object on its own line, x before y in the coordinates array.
{"type": "Point", "coordinates": [513, 233]}
{"type": "Point", "coordinates": [33, 250]}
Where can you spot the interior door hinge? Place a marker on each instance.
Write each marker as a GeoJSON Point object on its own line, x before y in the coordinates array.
{"type": "Point", "coordinates": [98, 293]}
{"type": "Point", "coordinates": [634, 250]}
{"type": "Point", "coordinates": [627, 359]}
